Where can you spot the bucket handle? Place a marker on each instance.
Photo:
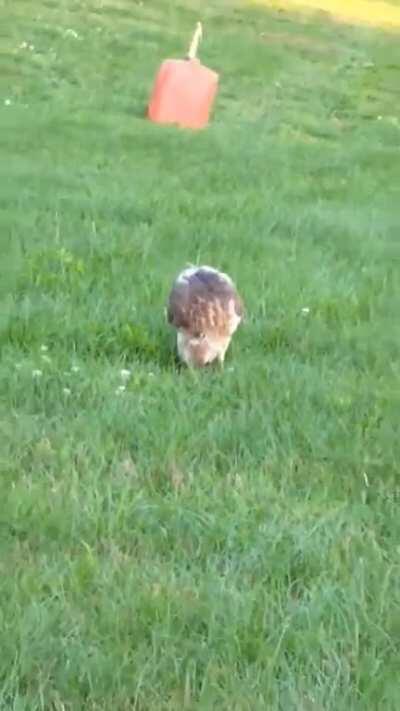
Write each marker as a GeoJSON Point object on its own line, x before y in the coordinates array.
{"type": "Point", "coordinates": [194, 45]}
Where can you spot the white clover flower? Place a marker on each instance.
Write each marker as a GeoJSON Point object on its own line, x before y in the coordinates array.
{"type": "Point", "coordinates": [125, 374]}
{"type": "Point", "coordinates": [37, 373]}
{"type": "Point", "coordinates": [75, 369]}
{"type": "Point", "coordinates": [66, 391]}
{"type": "Point", "coordinates": [121, 389]}
{"type": "Point", "coordinates": [71, 33]}
{"type": "Point", "coordinates": [44, 348]}
{"type": "Point", "coordinates": [7, 102]}
{"type": "Point", "coordinates": [305, 310]}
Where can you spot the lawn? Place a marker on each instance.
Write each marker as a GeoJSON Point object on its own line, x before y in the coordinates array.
{"type": "Point", "coordinates": [198, 540]}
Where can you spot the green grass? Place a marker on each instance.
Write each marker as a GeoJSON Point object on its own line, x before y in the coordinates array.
{"type": "Point", "coordinates": [202, 540]}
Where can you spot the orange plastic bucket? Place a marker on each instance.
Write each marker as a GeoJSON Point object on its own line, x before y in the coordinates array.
{"type": "Point", "coordinates": [184, 90]}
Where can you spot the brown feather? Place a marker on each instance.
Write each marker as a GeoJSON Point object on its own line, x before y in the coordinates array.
{"type": "Point", "coordinates": [201, 304]}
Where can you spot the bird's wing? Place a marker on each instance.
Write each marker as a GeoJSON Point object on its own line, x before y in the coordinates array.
{"type": "Point", "coordinates": [201, 300]}
{"type": "Point", "coordinates": [177, 309]}
{"type": "Point", "coordinates": [220, 287]}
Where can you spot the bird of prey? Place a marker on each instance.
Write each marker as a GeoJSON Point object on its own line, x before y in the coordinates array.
{"type": "Point", "coordinates": [206, 309]}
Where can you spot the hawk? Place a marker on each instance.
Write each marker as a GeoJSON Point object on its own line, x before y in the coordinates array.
{"type": "Point", "coordinates": [206, 309]}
